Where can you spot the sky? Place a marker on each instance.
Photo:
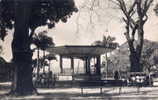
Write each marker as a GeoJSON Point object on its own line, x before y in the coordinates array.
{"type": "Point", "coordinates": [79, 31]}
{"type": "Point", "coordinates": [110, 24]}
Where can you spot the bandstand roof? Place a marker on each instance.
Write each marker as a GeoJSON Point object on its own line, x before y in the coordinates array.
{"type": "Point", "coordinates": [79, 51]}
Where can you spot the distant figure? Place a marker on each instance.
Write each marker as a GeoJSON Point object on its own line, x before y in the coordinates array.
{"type": "Point", "coordinates": [116, 75]}
{"type": "Point", "coordinates": [149, 81]}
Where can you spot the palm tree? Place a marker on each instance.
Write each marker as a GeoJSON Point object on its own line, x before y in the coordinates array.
{"type": "Point", "coordinates": [42, 42]}
{"type": "Point", "coordinates": [106, 42]}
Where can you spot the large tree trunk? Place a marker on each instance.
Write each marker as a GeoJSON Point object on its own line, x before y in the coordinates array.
{"type": "Point", "coordinates": [43, 65]}
{"type": "Point", "coordinates": [22, 54]}
{"type": "Point", "coordinates": [135, 62]}
{"type": "Point", "coordinates": [135, 53]}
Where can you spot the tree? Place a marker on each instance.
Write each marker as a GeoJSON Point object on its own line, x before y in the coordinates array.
{"type": "Point", "coordinates": [149, 57]}
{"type": "Point", "coordinates": [156, 9]}
{"type": "Point", "coordinates": [42, 41]}
{"type": "Point", "coordinates": [107, 42]}
{"type": "Point", "coordinates": [134, 17]}
{"type": "Point", "coordinates": [25, 16]}
{"type": "Point", "coordinates": [98, 15]}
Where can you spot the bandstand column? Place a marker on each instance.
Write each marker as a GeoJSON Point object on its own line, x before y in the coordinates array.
{"type": "Point", "coordinates": [61, 64]}
{"type": "Point", "coordinates": [87, 65]}
{"type": "Point", "coordinates": [98, 66]}
{"type": "Point", "coordinates": [72, 64]}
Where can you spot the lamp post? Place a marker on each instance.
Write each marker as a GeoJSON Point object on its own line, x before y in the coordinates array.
{"type": "Point", "coordinates": [106, 65]}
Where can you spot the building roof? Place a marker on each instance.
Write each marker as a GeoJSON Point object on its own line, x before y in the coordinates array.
{"type": "Point", "coordinates": [78, 50]}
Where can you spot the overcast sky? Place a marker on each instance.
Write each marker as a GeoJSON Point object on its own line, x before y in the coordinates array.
{"type": "Point", "coordinates": [108, 23]}
{"type": "Point", "coordinates": [110, 20]}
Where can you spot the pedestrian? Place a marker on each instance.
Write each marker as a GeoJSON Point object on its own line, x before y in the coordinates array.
{"type": "Point", "coordinates": [116, 75]}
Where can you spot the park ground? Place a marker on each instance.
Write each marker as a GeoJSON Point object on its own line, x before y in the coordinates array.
{"type": "Point", "coordinates": [109, 93]}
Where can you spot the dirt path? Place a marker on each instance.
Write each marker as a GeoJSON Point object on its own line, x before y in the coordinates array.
{"type": "Point", "coordinates": [126, 93]}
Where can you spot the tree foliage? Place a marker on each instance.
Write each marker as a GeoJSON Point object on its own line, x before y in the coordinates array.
{"type": "Point", "coordinates": [42, 41]}
{"type": "Point", "coordinates": [98, 14]}
{"type": "Point", "coordinates": [107, 42]}
{"type": "Point", "coordinates": [149, 56]}
{"type": "Point", "coordinates": [24, 16]}
{"type": "Point", "coordinates": [44, 12]}
{"type": "Point", "coordinates": [156, 9]}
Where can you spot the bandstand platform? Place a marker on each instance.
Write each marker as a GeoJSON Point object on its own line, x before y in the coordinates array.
{"type": "Point", "coordinates": [86, 53]}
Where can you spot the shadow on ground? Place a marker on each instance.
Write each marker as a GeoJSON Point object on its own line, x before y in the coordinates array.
{"type": "Point", "coordinates": [75, 94]}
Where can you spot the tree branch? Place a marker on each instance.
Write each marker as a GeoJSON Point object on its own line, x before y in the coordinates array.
{"type": "Point", "coordinates": [122, 6]}
{"type": "Point", "coordinates": [134, 31]}
{"type": "Point", "coordinates": [147, 5]}
{"type": "Point", "coordinates": [132, 8]}
{"type": "Point", "coordinates": [146, 18]}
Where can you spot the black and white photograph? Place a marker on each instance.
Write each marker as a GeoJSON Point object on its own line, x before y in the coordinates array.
{"type": "Point", "coordinates": [78, 49]}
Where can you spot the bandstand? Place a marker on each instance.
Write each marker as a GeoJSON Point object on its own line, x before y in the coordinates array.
{"type": "Point", "coordinates": [85, 53]}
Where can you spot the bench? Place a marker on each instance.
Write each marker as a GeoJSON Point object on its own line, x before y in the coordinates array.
{"type": "Point", "coordinates": [100, 84]}
{"type": "Point", "coordinates": [91, 84]}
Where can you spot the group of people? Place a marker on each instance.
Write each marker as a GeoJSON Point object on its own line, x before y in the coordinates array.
{"type": "Point", "coordinates": [136, 79]}
{"type": "Point", "coordinates": [44, 80]}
